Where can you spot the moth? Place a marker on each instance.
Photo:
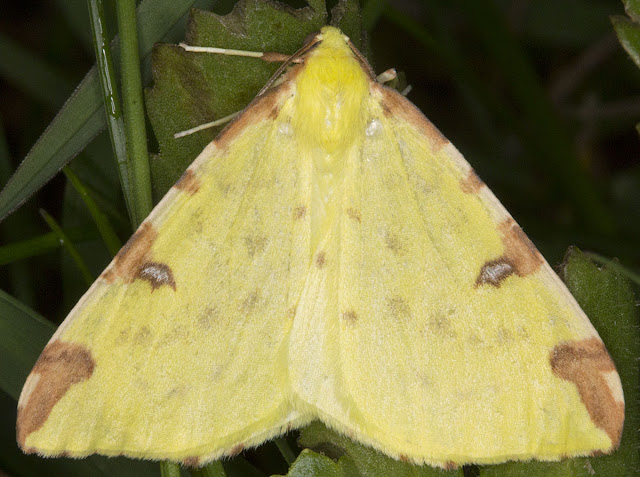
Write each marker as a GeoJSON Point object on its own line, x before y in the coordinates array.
{"type": "Point", "coordinates": [329, 256]}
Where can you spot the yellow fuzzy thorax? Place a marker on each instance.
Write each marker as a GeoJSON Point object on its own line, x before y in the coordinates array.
{"type": "Point", "coordinates": [330, 92]}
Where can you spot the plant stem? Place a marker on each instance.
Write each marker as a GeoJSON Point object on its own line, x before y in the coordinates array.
{"type": "Point", "coordinates": [134, 122]}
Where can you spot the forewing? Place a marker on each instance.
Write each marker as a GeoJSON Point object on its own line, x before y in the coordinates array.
{"type": "Point", "coordinates": [456, 342]}
{"type": "Point", "coordinates": [177, 350]}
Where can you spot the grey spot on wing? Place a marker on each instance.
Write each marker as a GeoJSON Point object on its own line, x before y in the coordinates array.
{"type": "Point", "coordinates": [494, 272]}
{"type": "Point", "coordinates": [157, 274]}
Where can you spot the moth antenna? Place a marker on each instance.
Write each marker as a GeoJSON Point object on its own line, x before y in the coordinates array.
{"type": "Point", "coordinates": [361, 59]}
{"type": "Point", "coordinates": [263, 55]}
{"type": "Point", "coordinates": [211, 124]}
{"type": "Point", "coordinates": [295, 58]}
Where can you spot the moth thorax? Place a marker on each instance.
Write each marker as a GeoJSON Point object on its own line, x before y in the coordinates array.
{"type": "Point", "coordinates": [331, 92]}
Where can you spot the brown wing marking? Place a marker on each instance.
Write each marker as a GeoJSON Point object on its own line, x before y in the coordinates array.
{"type": "Point", "coordinates": [60, 365]}
{"type": "Point", "coordinates": [471, 184]}
{"type": "Point", "coordinates": [134, 261]}
{"type": "Point", "coordinates": [520, 257]}
{"type": "Point", "coordinates": [188, 182]}
{"type": "Point", "coordinates": [397, 106]}
{"type": "Point", "coordinates": [585, 364]}
{"type": "Point", "coordinates": [263, 107]}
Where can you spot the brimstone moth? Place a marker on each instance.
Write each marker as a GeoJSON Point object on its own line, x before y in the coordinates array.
{"type": "Point", "coordinates": [330, 256]}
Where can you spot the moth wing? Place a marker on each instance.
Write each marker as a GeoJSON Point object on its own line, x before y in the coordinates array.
{"type": "Point", "coordinates": [452, 340]}
{"type": "Point", "coordinates": [176, 351]}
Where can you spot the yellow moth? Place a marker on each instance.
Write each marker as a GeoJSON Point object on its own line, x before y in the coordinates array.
{"type": "Point", "coordinates": [330, 256]}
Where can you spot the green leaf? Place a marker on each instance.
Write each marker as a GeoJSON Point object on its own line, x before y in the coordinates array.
{"type": "Point", "coordinates": [629, 36]}
{"type": "Point", "coordinates": [366, 460]}
{"type": "Point", "coordinates": [194, 88]}
{"type": "Point", "coordinates": [69, 246]}
{"type": "Point", "coordinates": [23, 335]}
{"type": "Point", "coordinates": [285, 449]}
{"type": "Point", "coordinates": [18, 276]}
{"type": "Point", "coordinates": [82, 116]}
{"type": "Point", "coordinates": [632, 7]}
{"type": "Point", "coordinates": [347, 16]}
{"type": "Point", "coordinates": [608, 299]}
{"type": "Point", "coordinates": [312, 464]}
{"type": "Point", "coordinates": [73, 128]}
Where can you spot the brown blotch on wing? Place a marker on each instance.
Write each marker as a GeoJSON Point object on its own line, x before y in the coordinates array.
{"type": "Point", "coordinates": [354, 214]}
{"type": "Point", "coordinates": [397, 106]}
{"type": "Point", "coordinates": [299, 212]}
{"type": "Point", "coordinates": [252, 300]}
{"type": "Point", "coordinates": [132, 255]}
{"type": "Point", "coordinates": [321, 259]}
{"type": "Point", "coordinates": [60, 365]}
{"type": "Point", "coordinates": [585, 363]}
{"type": "Point", "coordinates": [206, 318]}
{"type": "Point", "coordinates": [350, 316]}
{"type": "Point", "coordinates": [266, 106]}
{"type": "Point", "coordinates": [472, 183]}
{"type": "Point", "coordinates": [519, 249]}
{"type": "Point", "coordinates": [157, 274]}
{"type": "Point", "coordinates": [520, 257]}
{"type": "Point", "coordinates": [191, 461]}
{"type": "Point", "coordinates": [255, 245]}
{"type": "Point", "coordinates": [399, 308]}
{"type": "Point", "coordinates": [393, 243]}
{"type": "Point", "coordinates": [188, 182]}
{"type": "Point", "coordinates": [450, 466]}
{"type": "Point", "coordinates": [143, 336]}
{"type": "Point", "coordinates": [292, 311]}
{"type": "Point", "coordinates": [235, 450]}
{"type": "Point", "coordinates": [440, 325]}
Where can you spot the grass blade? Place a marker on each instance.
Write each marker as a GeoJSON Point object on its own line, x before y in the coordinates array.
{"type": "Point", "coordinates": [68, 245]}
{"type": "Point", "coordinates": [45, 243]}
{"type": "Point", "coordinates": [111, 97]}
{"type": "Point", "coordinates": [23, 334]}
{"type": "Point", "coordinates": [82, 117]}
{"type": "Point", "coordinates": [134, 122]}
{"type": "Point", "coordinates": [109, 235]}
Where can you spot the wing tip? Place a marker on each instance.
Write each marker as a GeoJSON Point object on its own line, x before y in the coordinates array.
{"type": "Point", "coordinates": [588, 365]}
{"type": "Point", "coordinates": [60, 365]}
